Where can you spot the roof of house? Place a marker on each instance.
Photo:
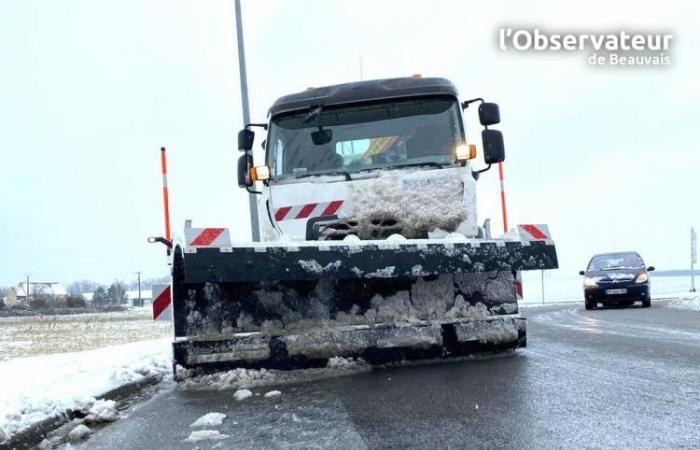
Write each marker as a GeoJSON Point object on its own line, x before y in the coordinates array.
{"type": "Point", "coordinates": [41, 288]}
{"type": "Point", "coordinates": [145, 294]}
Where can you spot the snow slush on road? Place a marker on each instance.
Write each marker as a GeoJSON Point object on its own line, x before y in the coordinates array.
{"type": "Point", "coordinates": [372, 251]}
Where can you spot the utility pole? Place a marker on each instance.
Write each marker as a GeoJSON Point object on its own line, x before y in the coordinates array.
{"type": "Point", "coordinates": [27, 290]}
{"type": "Point", "coordinates": [362, 75]}
{"type": "Point", "coordinates": [542, 285]}
{"type": "Point", "coordinates": [693, 257]}
{"type": "Point", "coordinates": [139, 278]}
{"type": "Point", "coordinates": [252, 200]}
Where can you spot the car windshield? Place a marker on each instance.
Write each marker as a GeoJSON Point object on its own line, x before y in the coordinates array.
{"type": "Point", "coordinates": [351, 138]}
{"type": "Point", "coordinates": [616, 261]}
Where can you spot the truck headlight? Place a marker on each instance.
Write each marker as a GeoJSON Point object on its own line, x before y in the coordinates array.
{"type": "Point", "coordinates": [590, 282]}
{"type": "Point", "coordinates": [642, 278]}
{"type": "Point", "coordinates": [464, 152]}
{"type": "Point", "coordinates": [260, 173]}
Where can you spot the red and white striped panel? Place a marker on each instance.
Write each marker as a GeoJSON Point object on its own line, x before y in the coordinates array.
{"type": "Point", "coordinates": [162, 303]}
{"type": "Point", "coordinates": [207, 237]}
{"type": "Point", "coordinates": [518, 286]}
{"type": "Point", "coordinates": [531, 232]}
{"type": "Point", "coordinates": [308, 210]}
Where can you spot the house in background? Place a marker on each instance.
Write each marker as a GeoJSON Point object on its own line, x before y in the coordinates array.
{"type": "Point", "coordinates": [146, 297]}
{"type": "Point", "coordinates": [50, 290]}
{"type": "Point", "coordinates": [132, 296]}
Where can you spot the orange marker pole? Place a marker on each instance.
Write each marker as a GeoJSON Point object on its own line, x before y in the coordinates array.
{"type": "Point", "coordinates": [503, 198]}
{"type": "Point", "coordinates": [166, 206]}
{"type": "Point", "coordinates": [518, 285]}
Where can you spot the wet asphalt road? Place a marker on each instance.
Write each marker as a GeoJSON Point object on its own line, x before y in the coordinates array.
{"type": "Point", "coordinates": [622, 378]}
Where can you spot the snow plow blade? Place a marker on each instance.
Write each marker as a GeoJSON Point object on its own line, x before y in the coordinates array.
{"type": "Point", "coordinates": [288, 307]}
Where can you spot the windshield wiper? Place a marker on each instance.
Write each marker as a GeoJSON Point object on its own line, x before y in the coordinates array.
{"type": "Point", "coordinates": [416, 164]}
{"type": "Point", "coordinates": [615, 268]}
{"type": "Point", "coordinates": [330, 173]}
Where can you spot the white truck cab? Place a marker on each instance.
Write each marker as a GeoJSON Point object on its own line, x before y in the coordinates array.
{"type": "Point", "coordinates": [370, 160]}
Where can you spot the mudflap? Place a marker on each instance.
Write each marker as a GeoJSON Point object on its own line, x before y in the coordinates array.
{"type": "Point", "coordinates": [288, 308]}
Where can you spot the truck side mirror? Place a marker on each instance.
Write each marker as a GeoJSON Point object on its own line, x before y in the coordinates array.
{"type": "Point", "coordinates": [245, 162]}
{"type": "Point", "coordinates": [581, 272]}
{"type": "Point", "coordinates": [245, 140]}
{"type": "Point", "coordinates": [489, 114]}
{"type": "Point", "coordinates": [651, 269]}
{"type": "Point", "coordinates": [494, 152]}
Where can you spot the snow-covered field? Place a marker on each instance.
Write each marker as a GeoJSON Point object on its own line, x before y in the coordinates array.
{"type": "Point", "coordinates": [42, 335]}
{"type": "Point", "coordinates": [50, 364]}
{"type": "Point", "coordinates": [559, 286]}
{"type": "Point", "coordinates": [37, 387]}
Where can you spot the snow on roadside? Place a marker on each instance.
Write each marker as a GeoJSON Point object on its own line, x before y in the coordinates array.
{"type": "Point", "coordinates": [212, 419]}
{"type": "Point", "coordinates": [242, 394]}
{"type": "Point", "coordinates": [689, 303]}
{"type": "Point", "coordinates": [102, 411]}
{"type": "Point", "coordinates": [79, 433]}
{"type": "Point", "coordinates": [205, 435]}
{"type": "Point", "coordinates": [271, 394]}
{"type": "Point", "coordinates": [532, 305]}
{"type": "Point", "coordinates": [43, 386]}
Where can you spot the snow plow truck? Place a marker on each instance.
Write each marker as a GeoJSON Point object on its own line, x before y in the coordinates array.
{"type": "Point", "coordinates": [370, 246]}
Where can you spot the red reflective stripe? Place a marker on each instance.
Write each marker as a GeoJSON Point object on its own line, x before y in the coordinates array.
{"type": "Point", "coordinates": [503, 198]}
{"type": "Point", "coordinates": [207, 236]}
{"type": "Point", "coordinates": [166, 204]}
{"type": "Point", "coordinates": [281, 213]}
{"type": "Point", "coordinates": [332, 208]}
{"type": "Point", "coordinates": [306, 211]}
{"type": "Point", "coordinates": [161, 302]}
{"type": "Point", "coordinates": [534, 232]}
{"type": "Point", "coordinates": [519, 289]}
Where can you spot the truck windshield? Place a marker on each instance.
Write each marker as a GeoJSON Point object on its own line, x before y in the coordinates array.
{"type": "Point", "coordinates": [351, 138]}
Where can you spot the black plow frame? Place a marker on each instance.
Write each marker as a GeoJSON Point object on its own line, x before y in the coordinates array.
{"type": "Point", "coordinates": [214, 287]}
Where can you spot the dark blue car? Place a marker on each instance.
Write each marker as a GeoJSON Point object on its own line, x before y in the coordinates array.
{"type": "Point", "coordinates": [616, 279]}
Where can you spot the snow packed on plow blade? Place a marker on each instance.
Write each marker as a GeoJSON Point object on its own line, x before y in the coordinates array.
{"type": "Point", "coordinates": [284, 307]}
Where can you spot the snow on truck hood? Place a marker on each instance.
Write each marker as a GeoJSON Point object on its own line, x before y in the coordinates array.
{"type": "Point", "coordinates": [419, 200]}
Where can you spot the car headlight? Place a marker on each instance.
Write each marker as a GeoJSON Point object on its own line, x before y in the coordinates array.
{"type": "Point", "coordinates": [590, 282]}
{"type": "Point", "coordinates": [642, 278]}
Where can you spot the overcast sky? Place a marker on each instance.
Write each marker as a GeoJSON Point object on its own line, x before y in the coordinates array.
{"type": "Point", "coordinates": [90, 90]}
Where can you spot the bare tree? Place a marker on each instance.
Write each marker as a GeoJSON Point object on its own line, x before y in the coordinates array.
{"type": "Point", "coordinates": [82, 286]}
{"type": "Point", "coordinates": [99, 297]}
{"type": "Point", "coordinates": [116, 293]}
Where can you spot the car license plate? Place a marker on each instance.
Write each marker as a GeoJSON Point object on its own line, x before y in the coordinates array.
{"type": "Point", "coordinates": [615, 291]}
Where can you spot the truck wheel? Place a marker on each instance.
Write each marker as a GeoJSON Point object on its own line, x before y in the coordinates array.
{"type": "Point", "coordinates": [590, 305]}
{"type": "Point", "coordinates": [646, 303]}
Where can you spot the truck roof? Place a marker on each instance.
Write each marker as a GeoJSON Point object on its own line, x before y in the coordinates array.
{"type": "Point", "coordinates": [361, 91]}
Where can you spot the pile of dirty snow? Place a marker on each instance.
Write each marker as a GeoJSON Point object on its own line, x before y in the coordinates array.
{"type": "Point", "coordinates": [244, 379]}
{"type": "Point", "coordinates": [102, 411]}
{"type": "Point", "coordinates": [212, 419]}
{"type": "Point", "coordinates": [205, 435]}
{"type": "Point", "coordinates": [209, 420]}
{"type": "Point", "coordinates": [39, 387]}
{"type": "Point", "coordinates": [418, 202]}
